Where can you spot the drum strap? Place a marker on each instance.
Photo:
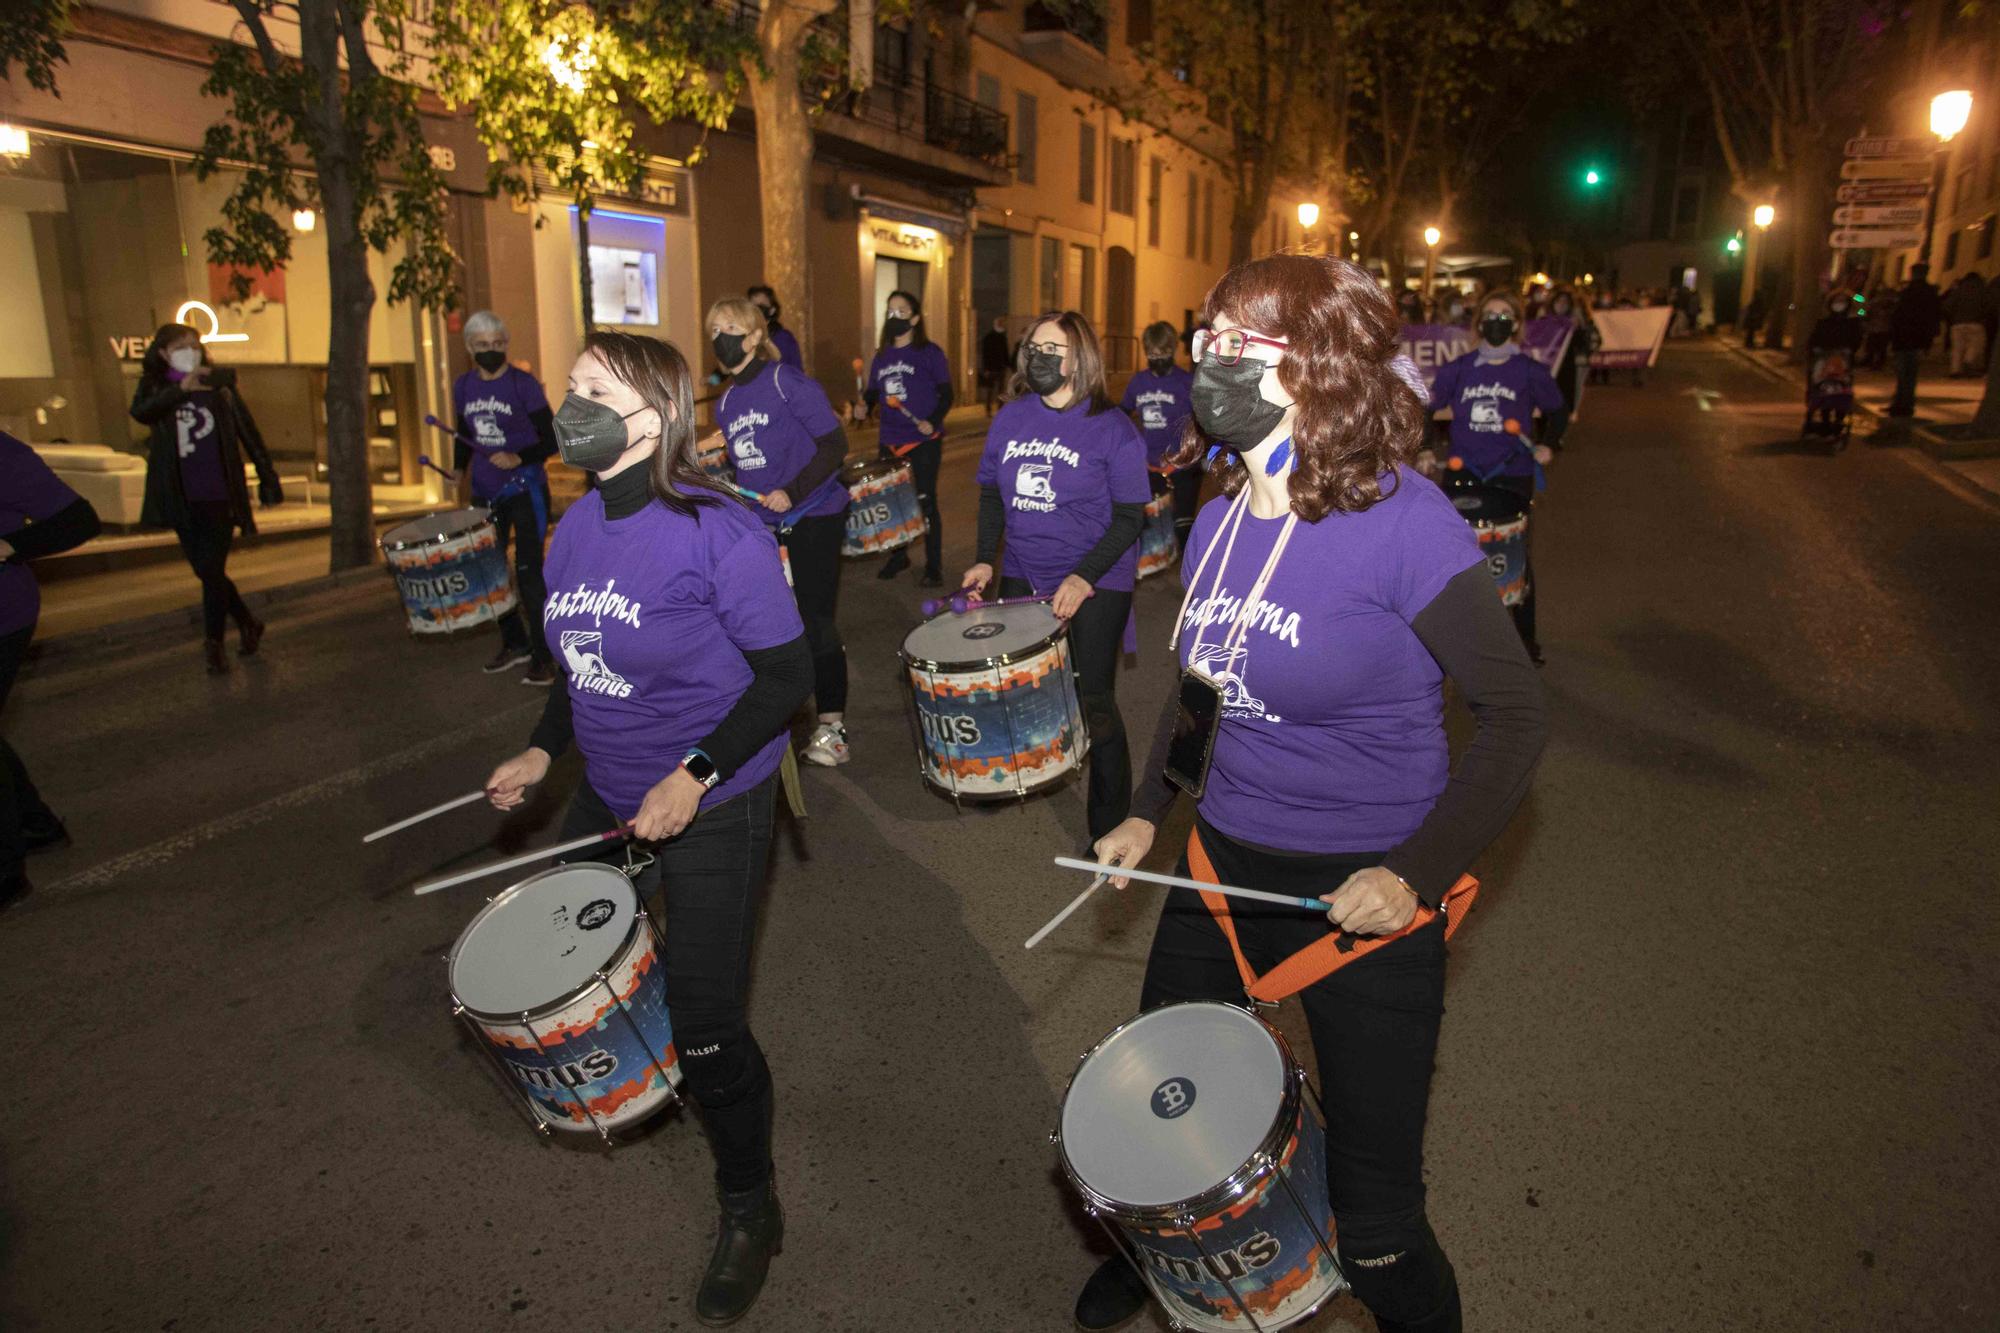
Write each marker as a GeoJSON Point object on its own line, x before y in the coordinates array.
{"type": "Point", "coordinates": [1323, 958]}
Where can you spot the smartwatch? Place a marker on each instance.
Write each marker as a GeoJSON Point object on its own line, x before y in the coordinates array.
{"type": "Point", "coordinates": [702, 769]}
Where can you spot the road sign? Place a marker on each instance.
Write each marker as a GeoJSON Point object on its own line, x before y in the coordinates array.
{"type": "Point", "coordinates": [1882, 192]}
{"type": "Point", "coordinates": [1884, 215]}
{"type": "Point", "coordinates": [1886, 169]}
{"type": "Point", "coordinates": [1889, 147]}
{"type": "Point", "coordinates": [1876, 238]}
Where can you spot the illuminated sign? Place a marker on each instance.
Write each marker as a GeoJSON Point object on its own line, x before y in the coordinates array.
{"type": "Point", "coordinates": [214, 335]}
{"type": "Point", "coordinates": [920, 239]}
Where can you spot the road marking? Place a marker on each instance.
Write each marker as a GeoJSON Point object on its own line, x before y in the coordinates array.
{"type": "Point", "coordinates": [1704, 398]}
{"type": "Point", "coordinates": [166, 849]}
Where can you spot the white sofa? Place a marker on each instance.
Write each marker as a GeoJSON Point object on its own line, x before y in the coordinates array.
{"type": "Point", "coordinates": [113, 482]}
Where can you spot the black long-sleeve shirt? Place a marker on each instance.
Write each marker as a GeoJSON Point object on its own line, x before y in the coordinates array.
{"type": "Point", "coordinates": [69, 527]}
{"type": "Point", "coordinates": [542, 419]}
{"type": "Point", "coordinates": [1127, 522]}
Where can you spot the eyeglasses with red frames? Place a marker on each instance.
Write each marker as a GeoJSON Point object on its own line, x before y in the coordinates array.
{"type": "Point", "coordinates": [1230, 344]}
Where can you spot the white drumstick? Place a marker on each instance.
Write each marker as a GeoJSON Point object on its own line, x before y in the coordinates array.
{"type": "Point", "coordinates": [419, 818]}
{"type": "Point", "coordinates": [1063, 915]}
{"type": "Point", "coordinates": [1175, 881]}
{"type": "Point", "coordinates": [527, 858]}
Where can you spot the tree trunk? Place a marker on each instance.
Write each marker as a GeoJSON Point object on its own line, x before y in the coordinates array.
{"type": "Point", "coordinates": [1812, 209]}
{"type": "Point", "coordinates": [784, 158]}
{"type": "Point", "coordinates": [589, 306]}
{"type": "Point", "coordinates": [352, 295]}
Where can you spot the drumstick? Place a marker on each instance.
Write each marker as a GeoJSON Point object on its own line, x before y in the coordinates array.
{"type": "Point", "coordinates": [421, 816]}
{"type": "Point", "coordinates": [753, 497]}
{"type": "Point", "coordinates": [1175, 881]}
{"type": "Point", "coordinates": [924, 427]}
{"type": "Point", "coordinates": [1063, 915]}
{"type": "Point", "coordinates": [430, 420]}
{"type": "Point", "coordinates": [425, 459]}
{"type": "Point", "coordinates": [958, 601]}
{"type": "Point", "coordinates": [528, 858]}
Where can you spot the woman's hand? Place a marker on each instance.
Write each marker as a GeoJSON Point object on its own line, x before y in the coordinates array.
{"type": "Point", "coordinates": [195, 379]}
{"type": "Point", "coordinates": [1544, 455]}
{"type": "Point", "coordinates": [776, 501]}
{"type": "Point", "coordinates": [925, 429]}
{"type": "Point", "coordinates": [1070, 596]}
{"type": "Point", "coordinates": [976, 578]}
{"type": "Point", "coordinates": [509, 784]}
{"type": "Point", "coordinates": [669, 807]}
{"type": "Point", "coordinates": [1371, 902]}
{"type": "Point", "coordinates": [505, 461]}
{"type": "Point", "coordinates": [1127, 845]}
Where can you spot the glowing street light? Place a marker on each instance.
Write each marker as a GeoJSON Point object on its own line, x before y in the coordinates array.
{"type": "Point", "coordinates": [13, 140]}
{"type": "Point", "coordinates": [1949, 113]}
{"type": "Point", "coordinates": [304, 219]}
{"type": "Point", "coordinates": [1432, 236]}
{"type": "Point", "coordinates": [1734, 245]}
{"type": "Point", "coordinates": [1308, 216]}
{"type": "Point", "coordinates": [1763, 215]}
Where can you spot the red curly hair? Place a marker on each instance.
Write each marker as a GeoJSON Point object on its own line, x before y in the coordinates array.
{"type": "Point", "coordinates": [1357, 420]}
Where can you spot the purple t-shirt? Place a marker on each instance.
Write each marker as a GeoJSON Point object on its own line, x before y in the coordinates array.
{"type": "Point", "coordinates": [651, 615]}
{"type": "Point", "coordinates": [199, 446]}
{"type": "Point", "coordinates": [912, 374]}
{"type": "Point", "coordinates": [1332, 738]}
{"type": "Point", "coordinates": [787, 348]}
{"type": "Point", "coordinates": [771, 424]}
{"type": "Point", "coordinates": [1484, 396]}
{"type": "Point", "coordinates": [29, 493]}
{"type": "Point", "coordinates": [1160, 404]}
{"type": "Point", "coordinates": [493, 419]}
{"type": "Point", "coordinates": [1058, 474]}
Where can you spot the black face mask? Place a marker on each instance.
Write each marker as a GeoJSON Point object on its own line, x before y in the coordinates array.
{"type": "Point", "coordinates": [728, 349]}
{"type": "Point", "coordinates": [895, 327]}
{"type": "Point", "coordinates": [489, 361]}
{"type": "Point", "coordinates": [1496, 329]}
{"type": "Point", "coordinates": [1159, 365]}
{"type": "Point", "coordinates": [590, 434]}
{"type": "Point", "coordinates": [1044, 372]}
{"type": "Point", "coordinates": [1227, 405]}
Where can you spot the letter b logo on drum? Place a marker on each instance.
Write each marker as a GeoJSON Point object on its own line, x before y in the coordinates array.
{"type": "Point", "coordinates": [1173, 1098]}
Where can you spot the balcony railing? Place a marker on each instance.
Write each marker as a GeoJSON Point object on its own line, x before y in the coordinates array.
{"type": "Point", "coordinates": [940, 117]}
{"type": "Point", "coordinates": [1085, 23]}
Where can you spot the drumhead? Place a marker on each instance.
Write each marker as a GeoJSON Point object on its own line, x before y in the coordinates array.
{"type": "Point", "coordinates": [981, 634]}
{"type": "Point", "coordinates": [540, 942]}
{"type": "Point", "coordinates": [441, 526]}
{"type": "Point", "coordinates": [1476, 503]}
{"type": "Point", "coordinates": [1173, 1103]}
{"type": "Point", "coordinates": [862, 469]}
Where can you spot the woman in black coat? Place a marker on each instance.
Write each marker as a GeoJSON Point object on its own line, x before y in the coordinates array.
{"type": "Point", "coordinates": [201, 433]}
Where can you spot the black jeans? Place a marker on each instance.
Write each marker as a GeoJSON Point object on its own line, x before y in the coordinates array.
{"type": "Point", "coordinates": [514, 520]}
{"type": "Point", "coordinates": [205, 538]}
{"type": "Point", "coordinates": [22, 809]}
{"type": "Point", "coordinates": [1374, 1027]}
{"type": "Point", "coordinates": [814, 544]}
{"type": "Point", "coordinates": [1096, 636]}
{"type": "Point", "coordinates": [1906, 361]}
{"type": "Point", "coordinates": [924, 461]}
{"type": "Point", "coordinates": [712, 882]}
{"type": "Point", "coordinates": [1524, 611]}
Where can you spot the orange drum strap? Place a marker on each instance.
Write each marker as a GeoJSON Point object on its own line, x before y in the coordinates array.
{"type": "Point", "coordinates": [903, 450]}
{"type": "Point", "coordinates": [1324, 957]}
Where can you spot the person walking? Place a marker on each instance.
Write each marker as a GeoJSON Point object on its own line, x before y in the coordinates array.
{"type": "Point", "coordinates": [781, 338]}
{"type": "Point", "coordinates": [1965, 315]}
{"type": "Point", "coordinates": [201, 431]}
{"type": "Point", "coordinates": [505, 433]}
{"type": "Point", "coordinates": [993, 363]}
{"type": "Point", "coordinates": [39, 516]}
{"type": "Point", "coordinates": [1912, 329]}
{"type": "Point", "coordinates": [909, 383]}
{"type": "Point", "coordinates": [1879, 306]}
{"type": "Point", "coordinates": [1156, 399]}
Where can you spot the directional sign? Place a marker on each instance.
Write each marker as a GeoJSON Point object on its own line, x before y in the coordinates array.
{"type": "Point", "coordinates": [1875, 238]}
{"type": "Point", "coordinates": [1886, 169]}
{"type": "Point", "coordinates": [1888, 147]}
{"type": "Point", "coordinates": [1882, 192]}
{"type": "Point", "coordinates": [1884, 215]}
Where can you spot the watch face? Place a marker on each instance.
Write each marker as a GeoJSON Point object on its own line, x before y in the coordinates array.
{"type": "Point", "coordinates": [701, 768]}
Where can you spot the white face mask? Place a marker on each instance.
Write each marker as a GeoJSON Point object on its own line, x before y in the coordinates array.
{"type": "Point", "coordinates": [186, 360]}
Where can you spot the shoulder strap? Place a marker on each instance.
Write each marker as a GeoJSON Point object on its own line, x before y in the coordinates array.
{"type": "Point", "coordinates": [778, 378]}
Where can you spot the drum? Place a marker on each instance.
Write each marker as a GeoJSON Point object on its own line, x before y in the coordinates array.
{"type": "Point", "coordinates": [1188, 1137]}
{"type": "Point", "coordinates": [882, 512]}
{"type": "Point", "coordinates": [561, 980]}
{"type": "Point", "coordinates": [1156, 539]}
{"type": "Point", "coordinates": [450, 569]}
{"type": "Point", "coordinates": [713, 455]}
{"type": "Point", "coordinates": [995, 701]}
{"type": "Point", "coordinates": [1500, 518]}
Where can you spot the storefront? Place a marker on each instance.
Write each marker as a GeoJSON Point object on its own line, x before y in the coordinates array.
{"type": "Point", "coordinates": [911, 249]}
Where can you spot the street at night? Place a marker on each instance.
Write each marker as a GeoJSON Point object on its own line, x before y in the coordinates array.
{"type": "Point", "coordinates": [1720, 1043]}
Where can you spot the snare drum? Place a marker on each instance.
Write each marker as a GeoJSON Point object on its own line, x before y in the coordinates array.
{"type": "Point", "coordinates": [1156, 539]}
{"type": "Point", "coordinates": [1500, 518]}
{"type": "Point", "coordinates": [450, 569]}
{"type": "Point", "coordinates": [1187, 1134]}
{"type": "Point", "coordinates": [882, 511]}
{"type": "Point", "coordinates": [713, 455]}
{"type": "Point", "coordinates": [561, 980]}
{"type": "Point", "coordinates": [995, 701]}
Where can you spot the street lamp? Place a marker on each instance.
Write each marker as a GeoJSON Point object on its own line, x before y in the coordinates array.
{"type": "Point", "coordinates": [1763, 215]}
{"type": "Point", "coordinates": [13, 140]}
{"type": "Point", "coordinates": [1308, 216]}
{"type": "Point", "coordinates": [1949, 113]}
{"type": "Point", "coordinates": [1431, 238]}
{"type": "Point", "coordinates": [304, 219]}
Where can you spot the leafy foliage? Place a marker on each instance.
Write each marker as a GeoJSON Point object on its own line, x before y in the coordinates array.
{"type": "Point", "coordinates": [31, 36]}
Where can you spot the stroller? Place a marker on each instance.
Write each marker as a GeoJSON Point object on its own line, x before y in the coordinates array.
{"type": "Point", "coordinates": [1829, 396]}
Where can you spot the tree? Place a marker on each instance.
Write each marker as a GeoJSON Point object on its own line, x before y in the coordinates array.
{"type": "Point", "coordinates": [32, 37]}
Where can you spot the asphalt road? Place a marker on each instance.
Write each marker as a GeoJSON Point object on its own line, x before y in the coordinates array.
{"type": "Point", "coordinates": [1722, 1034]}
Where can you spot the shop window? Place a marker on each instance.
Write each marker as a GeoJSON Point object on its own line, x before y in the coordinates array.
{"type": "Point", "coordinates": [1024, 138]}
{"type": "Point", "coordinates": [1156, 180]}
{"type": "Point", "coordinates": [1193, 214]}
{"type": "Point", "coordinates": [1124, 176]}
{"type": "Point", "coordinates": [1086, 163]}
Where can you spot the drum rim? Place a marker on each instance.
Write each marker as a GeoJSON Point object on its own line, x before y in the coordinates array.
{"type": "Point", "coordinates": [569, 997]}
{"type": "Point", "coordinates": [1261, 1162]}
{"type": "Point", "coordinates": [388, 545]}
{"type": "Point", "coordinates": [875, 467]}
{"type": "Point", "coordinates": [1040, 646]}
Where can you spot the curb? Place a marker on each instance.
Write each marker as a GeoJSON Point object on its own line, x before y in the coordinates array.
{"type": "Point", "coordinates": [1938, 447]}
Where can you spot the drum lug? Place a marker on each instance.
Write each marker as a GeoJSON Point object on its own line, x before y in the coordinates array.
{"type": "Point", "coordinates": [1055, 1138]}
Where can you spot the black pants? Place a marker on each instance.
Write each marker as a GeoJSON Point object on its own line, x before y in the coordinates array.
{"type": "Point", "coordinates": [22, 810]}
{"type": "Point", "coordinates": [1906, 361]}
{"type": "Point", "coordinates": [1186, 484]}
{"type": "Point", "coordinates": [814, 544]}
{"type": "Point", "coordinates": [205, 537]}
{"type": "Point", "coordinates": [1096, 635]}
{"type": "Point", "coordinates": [514, 520]}
{"type": "Point", "coordinates": [924, 461]}
{"type": "Point", "coordinates": [1524, 611]}
{"type": "Point", "coordinates": [712, 877]}
{"type": "Point", "coordinates": [1374, 1027]}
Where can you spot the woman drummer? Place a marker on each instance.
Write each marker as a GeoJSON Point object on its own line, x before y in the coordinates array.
{"type": "Point", "coordinates": [1329, 772]}
{"type": "Point", "coordinates": [786, 444]}
{"type": "Point", "coordinates": [685, 660]}
{"type": "Point", "coordinates": [1063, 479]}
{"type": "Point", "coordinates": [909, 383]}
{"type": "Point", "coordinates": [1493, 392]}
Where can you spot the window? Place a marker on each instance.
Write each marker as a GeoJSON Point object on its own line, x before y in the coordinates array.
{"type": "Point", "coordinates": [1156, 180]}
{"type": "Point", "coordinates": [1194, 214]}
{"type": "Point", "coordinates": [1052, 275]}
{"type": "Point", "coordinates": [989, 92]}
{"type": "Point", "coordinates": [1086, 163]}
{"type": "Point", "coordinates": [1207, 219]}
{"type": "Point", "coordinates": [1986, 236]}
{"type": "Point", "coordinates": [1086, 281]}
{"type": "Point", "coordinates": [1024, 138]}
{"type": "Point", "coordinates": [1138, 21]}
{"type": "Point", "coordinates": [1951, 251]}
{"type": "Point", "coordinates": [1124, 176]}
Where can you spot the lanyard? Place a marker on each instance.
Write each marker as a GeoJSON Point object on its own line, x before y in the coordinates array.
{"type": "Point", "coordinates": [1233, 521]}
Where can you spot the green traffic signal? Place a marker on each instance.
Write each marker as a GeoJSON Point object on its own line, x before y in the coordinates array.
{"type": "Point", "coordinates": [1591, 177]}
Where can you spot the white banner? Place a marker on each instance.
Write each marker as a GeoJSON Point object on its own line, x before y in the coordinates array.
{"type": "Point", "coordinates": [1629, 339]}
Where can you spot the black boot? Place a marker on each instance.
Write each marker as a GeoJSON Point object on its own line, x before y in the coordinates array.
{"type": "Point", "coordinates": [897, 563]}
{"type": "Point", "coordinates": [1113, 1295]}
{"type": "Point", "coordinates": [211, 653]}
{"type": "Point", "coordinates": [751, 1231]}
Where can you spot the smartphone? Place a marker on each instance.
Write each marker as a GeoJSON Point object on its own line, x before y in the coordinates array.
{"type": "Point", "coordinates": [1193, 744]}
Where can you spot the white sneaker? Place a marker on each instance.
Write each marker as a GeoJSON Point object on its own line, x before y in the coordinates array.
{"type": "Point", "coordinates": [828, 745]}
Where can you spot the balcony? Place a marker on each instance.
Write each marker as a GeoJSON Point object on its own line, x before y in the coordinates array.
{"type": "Point", "coordinates": [1068, 44]}
{"type": "Point", "coordinates": [921, 129]}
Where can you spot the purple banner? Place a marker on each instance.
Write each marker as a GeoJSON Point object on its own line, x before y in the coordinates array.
{"type": "Point", "coordinates": [1431, 345]}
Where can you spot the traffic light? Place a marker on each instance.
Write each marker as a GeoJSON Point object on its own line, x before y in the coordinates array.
{"type": "Point", "coordinates": [1593, 177]}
